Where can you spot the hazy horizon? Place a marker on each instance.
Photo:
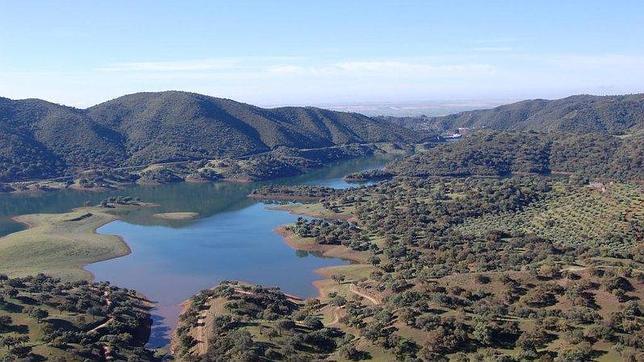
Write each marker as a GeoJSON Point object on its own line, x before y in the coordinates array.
{"type": "Point", "coordinates": [437, 107]}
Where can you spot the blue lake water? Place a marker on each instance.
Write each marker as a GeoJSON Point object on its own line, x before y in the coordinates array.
{"type": "Point", "coordinates": [233, 238]}
{"type": "Point", "coordinates": [171, 260]}
{"type": "Point", "coordinates": [168, 265]}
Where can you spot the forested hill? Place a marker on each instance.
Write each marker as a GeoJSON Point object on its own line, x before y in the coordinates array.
{"type": "Point", "coordinates": [579, 114]}
{"type": "Point", "coordinates": [39, 139]}
{"type": "Point", "coordinates": [494, 153]}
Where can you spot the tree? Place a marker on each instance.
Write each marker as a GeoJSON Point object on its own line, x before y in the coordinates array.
{"type": "Point", "coordinates": [338, 300]}
{"type": "Point", "coordinates": [20, 351]}
{"type": "Point", "coordinates": [374, 260]}
{"type": "Point", "coordinates": [373, 331]}
{"type": "Point", "coordinates": [39, 314]}
{"type": "Point", "coordinates": [549, 271]}
{"type": "Point", "coordinates": [618, 283]}
{"type": "Point", "coordinates": [483, 332]}
{"type": "Point", "coordinates": [285, 325]}
{"type": "Point", "coordinates": [406, 348]}
{"type": "Point", "coordinates": [578, 352]}
{"type": "Point", "coordinates": [338, 278]}
{"type": "Point", "coordinates": [528, 342]}
{"type": "Point", "coordinates": [5, 321]}
{"type": "Point", "coordinates": [351, 353]}
{"type": "Point", "coordinates": [9, 341]}
{"type": "Point", "coordinates": [313, 322]}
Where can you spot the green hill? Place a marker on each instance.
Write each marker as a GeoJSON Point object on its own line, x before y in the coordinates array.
{"type": "Point", "coordinates": [494, 153]}
{"type": "Point", "coordinates": [39, 139]}
{"type": "Point", "coordinates": [579, 114]}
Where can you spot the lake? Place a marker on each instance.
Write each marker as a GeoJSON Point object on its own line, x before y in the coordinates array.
{"type": "Point", "coordinates": [171, 260]}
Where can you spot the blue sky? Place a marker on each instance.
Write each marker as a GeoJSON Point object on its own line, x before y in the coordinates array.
{"type": "Point", "coordinates": [321, 52]}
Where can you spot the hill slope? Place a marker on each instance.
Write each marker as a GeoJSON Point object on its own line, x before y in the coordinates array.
{"type": "Point", "coordinates": [578, 114]}
{"type": "Point", "coordinates": [488, 153]}
{"type": "Point", "coordinates": [39, 139]}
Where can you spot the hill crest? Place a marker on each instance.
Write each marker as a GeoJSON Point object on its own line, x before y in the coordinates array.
{"type": "Point", "coordinates": [40, 139]}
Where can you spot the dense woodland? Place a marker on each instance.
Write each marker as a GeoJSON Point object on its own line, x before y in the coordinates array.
{"type": "Point", "coordinates": [506, 153]}
{"type": "Point", "coordinates": [281, 162]}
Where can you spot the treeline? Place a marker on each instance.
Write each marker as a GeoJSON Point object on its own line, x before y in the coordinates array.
{"type": "Point", "coordinates": [507, 153]}
{"type": "Point", "coordinates": [278, 163]}
{"type": "Point", "coordinates": [333, 232]}
{"type": "Point", "coordinates": [291, 193]}
{"type": "Point", "coordinates": [40, 140]}
{"type": "Point", "coordinates": [369, 175]}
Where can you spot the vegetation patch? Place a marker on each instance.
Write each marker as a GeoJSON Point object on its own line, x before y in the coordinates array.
{"type": "Point", "coordinates": [245, 322]}
{"type": "Point", "coordinates": [486, 153]}
{"type": "Point", "coordinates": [42, 318]}
{"type": "Point", "coordinates": [301, 193]}
{"type": "Point", "coordinates": [609, 218]}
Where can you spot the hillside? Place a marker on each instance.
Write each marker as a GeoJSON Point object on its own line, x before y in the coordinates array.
{"type": "Point", "coordinates": [45, 319]}
{"type": "Point", "coordinates": [465, 269]}
{"type": "Point", "coordinates": [580, 114]}
{"type": "Point", "coordinates": [493, 153]}
{"type": "Point", "coordinates": [39, 139]}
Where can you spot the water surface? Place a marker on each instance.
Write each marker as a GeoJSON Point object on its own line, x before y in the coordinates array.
{"type": "Point", "coordinates": [234, 238]}
{"type": "Point", "coordinates": [168, 265]}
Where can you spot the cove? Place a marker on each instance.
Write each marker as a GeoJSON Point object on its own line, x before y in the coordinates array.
{"type": "Point", "coordinates": [172, 260]}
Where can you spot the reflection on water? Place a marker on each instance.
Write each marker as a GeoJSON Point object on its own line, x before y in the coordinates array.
{"type": "Point", "coordinates": [206, 198]}
{"type": "Point", "coordinates": [161, 331]}
{"type": "Point", "coordinates": [234, 238]}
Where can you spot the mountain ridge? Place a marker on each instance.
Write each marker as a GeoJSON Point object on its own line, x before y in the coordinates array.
{"type": "Point", "coordinates": [615, 114]}
{"type": "Point", "coordinates": [40, 139]}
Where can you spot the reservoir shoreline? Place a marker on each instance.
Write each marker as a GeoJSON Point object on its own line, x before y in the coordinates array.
{"type": "Point", "coordinates": [214, 203]}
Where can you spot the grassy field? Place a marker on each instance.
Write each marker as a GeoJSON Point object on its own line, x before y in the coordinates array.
{"type": "Point", "coordinates": [60, 245]}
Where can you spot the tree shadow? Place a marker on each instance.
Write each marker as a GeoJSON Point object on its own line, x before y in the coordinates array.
{"type": "Point", "coordinates": [61, 324]}
{"type": "Point", "coordinates": [19, 329]}
{"type": "Point", "coordinates": [27, 300]}
{"type": "Point", "coordinates": [12, 307]}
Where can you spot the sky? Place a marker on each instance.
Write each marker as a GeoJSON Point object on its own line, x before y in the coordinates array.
{"type": "Point", "coordinates": [81, 53]}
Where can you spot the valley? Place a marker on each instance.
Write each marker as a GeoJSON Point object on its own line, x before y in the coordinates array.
{"type": "Point", "coordinates": [321, 181]}
{"type": "Point", "coordinates": [502, 245]}
{"type": "Point", "coordinates": [232, 238]}
{"type": "Point", "coordinates": [424, 286]}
